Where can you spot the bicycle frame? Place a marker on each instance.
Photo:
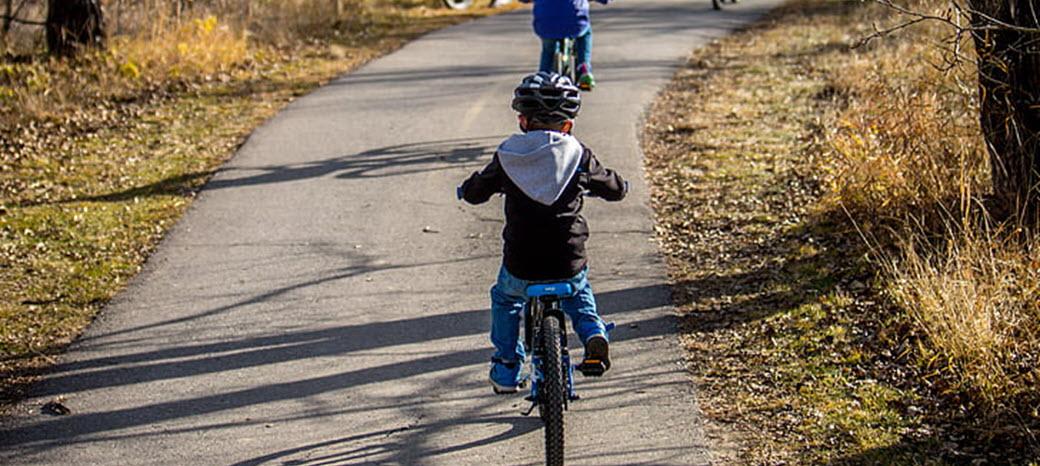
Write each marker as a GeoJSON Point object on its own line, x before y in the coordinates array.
{"type": "Point", "coordinates": [565, 60]}
{"type": "Point", "coordinates": [537, 309]}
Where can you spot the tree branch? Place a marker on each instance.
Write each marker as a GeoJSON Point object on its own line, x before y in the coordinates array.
{"type": "Point", "coordinates": [884, 32]}
{"type": "Point", "coordinates": [15, 19]}
{"type": "Point", "coordinates": [993, 23]}
{"type": "Point", "coordinates": [1002, 24]}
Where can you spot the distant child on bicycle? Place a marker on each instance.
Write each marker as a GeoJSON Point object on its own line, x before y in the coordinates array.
{"type": "Point", "coordinates": [555, 20]}
{"type": "Point", "coordinates": [544, 173]}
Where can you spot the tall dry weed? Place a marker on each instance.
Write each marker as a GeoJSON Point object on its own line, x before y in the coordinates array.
{"type": "Point", "coordinates": [908, 143]}
{"type": "Point", "coordinates": [977, 301]}
{"type": "Point", "coordinates": [175, 49]}
{"type": "Point", "coordinates": [909, 166]}
{"type": "Point", "coordinates": [153, 45]}
{"type": "Point", "coordinates": [170, 51]}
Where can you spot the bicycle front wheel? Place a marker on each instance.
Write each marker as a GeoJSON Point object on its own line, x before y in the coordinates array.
{"type": "Point", "coordinates": [554, 391]}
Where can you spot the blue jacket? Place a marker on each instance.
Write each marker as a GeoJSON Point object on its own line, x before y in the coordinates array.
{"type": "Point", "coordinates": [557, 19]}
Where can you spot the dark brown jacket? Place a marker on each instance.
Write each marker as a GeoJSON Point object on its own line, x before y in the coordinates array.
{"type": "Point", "coordinates": [545, 242]}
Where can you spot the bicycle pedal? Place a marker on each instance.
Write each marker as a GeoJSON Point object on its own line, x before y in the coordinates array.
{"type": "Point", "coordinates": [592, 368]}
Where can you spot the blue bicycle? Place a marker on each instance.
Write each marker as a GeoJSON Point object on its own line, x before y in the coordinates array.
{"type": "Point", "coordinates": [551, 373]}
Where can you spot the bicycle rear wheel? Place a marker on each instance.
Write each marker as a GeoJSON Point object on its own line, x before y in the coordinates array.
{"type": "Point", "coordinates": [553, 392]}
{"type": "Point", "coordinates": [572, 61]}
{"type": "Point", "coordinates": [458, 4]}
{"type": "Point", "coordinates": [559, 62]}
{"type": "Point", "coordinates": [564, 60]}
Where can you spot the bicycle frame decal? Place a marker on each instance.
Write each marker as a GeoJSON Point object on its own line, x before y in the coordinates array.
{"type": "Point", "coordinates": [550, 289]}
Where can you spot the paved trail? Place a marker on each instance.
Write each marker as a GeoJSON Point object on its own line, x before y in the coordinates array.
{"type": "Point", "coordinates": [300, 314]}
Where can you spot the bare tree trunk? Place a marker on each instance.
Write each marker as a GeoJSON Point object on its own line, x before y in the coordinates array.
{"type": "Point", "coordinates": [1009, 94]}
{"type": "Point", "coordinates": [8, 14]}
{"type": "Point", "coordinates": [73, 24]}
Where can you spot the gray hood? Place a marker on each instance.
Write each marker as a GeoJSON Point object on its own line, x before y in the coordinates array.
{"type": "Point", "coordinates": [541, 163]}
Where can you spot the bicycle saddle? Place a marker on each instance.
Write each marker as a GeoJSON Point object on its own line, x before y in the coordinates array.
{"type": "Point", "coordinates": [561, 290]}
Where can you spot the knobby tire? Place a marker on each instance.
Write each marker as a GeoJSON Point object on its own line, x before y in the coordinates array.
{"type": "Point", "coordinates": [458, 4]}
{"type": "Point", "coordinates": [554, 391]}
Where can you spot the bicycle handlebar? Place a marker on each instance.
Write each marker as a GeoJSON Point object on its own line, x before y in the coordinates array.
{"type": "Point", "coordinates": [459, 196]}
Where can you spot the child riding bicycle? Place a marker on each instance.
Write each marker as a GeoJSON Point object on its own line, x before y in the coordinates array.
{"type": "Point", "coordinates": [544, 173]}
{"type": "Point", "coordinates": [555, 20]}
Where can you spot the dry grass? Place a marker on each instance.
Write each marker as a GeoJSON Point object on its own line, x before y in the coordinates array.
{"type": "Point", "coordinates": [772, 156]}
{"type": "Point", "coordinates": [780, 342]}
{"type": "Point", "coordinates": [977, 300]}
{"type": "Point", "coordinates": [171, 52]}
{"type": "Point", "coordinates": [909, 167]}
{"type": "Point", "coordinates": [152, 49]}
{"type": "Point", "coordinates": [908, 141]}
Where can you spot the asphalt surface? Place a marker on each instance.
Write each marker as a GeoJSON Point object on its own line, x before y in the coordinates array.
{"type": "Point", "coordinates": [325, 299]}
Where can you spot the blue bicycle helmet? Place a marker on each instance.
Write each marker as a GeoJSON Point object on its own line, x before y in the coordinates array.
{"type": "Point", "coordinates": [547, 97]}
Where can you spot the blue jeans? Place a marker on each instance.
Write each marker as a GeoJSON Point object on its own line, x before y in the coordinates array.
{"type": "Point", "coordinates": [582, 50]}
{"type": "Point", "coordinates": [507, 306]}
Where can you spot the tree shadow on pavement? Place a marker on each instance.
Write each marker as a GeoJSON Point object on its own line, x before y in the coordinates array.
{"type": "Point", "coordinates": [399, 445]}
{"type": "Point", "coordinates": [168, 363]}
{"type": "Point", "coordinates": [396, 160]}
{"type": "Point", "coordinates": [181, 362]}
{"type": "Point", "coordinates": [363, 264]}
